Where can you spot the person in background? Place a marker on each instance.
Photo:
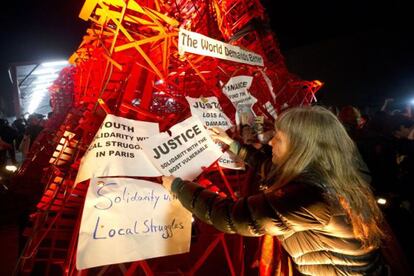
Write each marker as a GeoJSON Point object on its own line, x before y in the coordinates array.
{"type": "Point", "coordinates": [34, 126]}
{"type": "Point", "coordinates": [20, 126]}
{"type": "Point", "coordinates": [317, 203]}
{"type": "Point", "coordinates": [4, 147]}
{"type": "Point", "coordinates": [351, 118]}
{"type": "Point", "coordinates": [8, 135]}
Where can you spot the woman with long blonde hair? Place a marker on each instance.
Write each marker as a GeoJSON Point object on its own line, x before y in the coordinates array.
{"type": "Point", "coordinates": [317, 202]}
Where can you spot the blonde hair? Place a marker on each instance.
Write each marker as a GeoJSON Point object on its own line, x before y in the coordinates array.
{"type": "Point", "coordinates": [318, 142]}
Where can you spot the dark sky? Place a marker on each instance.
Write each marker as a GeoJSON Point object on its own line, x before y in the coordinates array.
{"type": "Point", "coordinates": [362, 50]}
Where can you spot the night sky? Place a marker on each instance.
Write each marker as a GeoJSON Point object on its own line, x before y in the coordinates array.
{"type": "Point", "coordinates": [362, 50]}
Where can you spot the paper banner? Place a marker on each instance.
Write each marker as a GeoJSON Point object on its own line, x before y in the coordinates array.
{"type": "Point", "coordinates": [209, 111]}
{"type": "Point", "coordinates": [230, 161]}
{"type": "Point", "coordinates": [199, 44]}
{"type": "Point", "coordinates": [185, 152]}
{"type": "Point", "coordinates": [127, 220]}
{"type": "Point", "coordinates": [236, 89]}
{"type": "Point", "coordinates": [115, 150]}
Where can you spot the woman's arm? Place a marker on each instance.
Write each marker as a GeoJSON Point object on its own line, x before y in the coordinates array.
{"type": "Point", "coordinates": [294, 207]}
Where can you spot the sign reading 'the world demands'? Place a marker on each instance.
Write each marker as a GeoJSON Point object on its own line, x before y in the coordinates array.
{"type": "Point", "coordinates": [185, 152]}
{"type": "Point", "coordinates": [126, 220]}
{"type": "Point", "coordinates": [199, 44]}
{"type": "Point", "coordinates": [115, 150]}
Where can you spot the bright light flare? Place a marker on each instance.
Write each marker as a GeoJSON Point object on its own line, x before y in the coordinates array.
{"type": "Point", "coordinates": [46, 71]}
{"type": "Point", "coordinates": [55, 63]}
{"type": "Point", "coordinates": [36, 99]}
{"type": "Point", "coordinates": [43, 78]}
{"type": "Point", "coordinates": [382, 201]}
{"type": "Point", "coordinates": [11, 168]}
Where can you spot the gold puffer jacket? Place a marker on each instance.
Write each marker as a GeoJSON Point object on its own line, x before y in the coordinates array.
{"type": "Point", "coordinates": [312, 227]}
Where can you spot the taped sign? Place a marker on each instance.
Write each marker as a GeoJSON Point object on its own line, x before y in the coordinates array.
{"type": "Point", "coordinates": [209, 111]}
{"type": "Point", "coordinates": [115, 150]}
{"type": "Point", "coordinates": [185, 152]}
{"type": "Point", "coordinates": [126, 220]}
{"type": "Point", "coordinates": [237, 90]}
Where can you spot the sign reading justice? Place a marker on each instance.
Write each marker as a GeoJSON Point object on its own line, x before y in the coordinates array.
{"type": "Point", "coordinates": [126, 220]}
{"type": "Point", "coordinates": [184, 152]}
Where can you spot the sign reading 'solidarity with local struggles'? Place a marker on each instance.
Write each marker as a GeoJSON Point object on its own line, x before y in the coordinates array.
{"type": "Point", "coordinates": [127, 220]}
{"type": "Point", "coordinates": [185, 152]}
{"type": "Point", "coordinates": [115, 150]}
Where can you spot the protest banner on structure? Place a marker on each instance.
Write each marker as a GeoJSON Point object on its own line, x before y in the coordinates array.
{"type": "Point", "coordinates": [185, 152]}
{"type": "Point", "coordinates": [115, 150]}
{"type": "Point", "coordinates": [126, 220]}
{"type": "Point", "coordinates": [199, 44]}
{"type": "Point", "coordinates": [237, 90]}
{"type": "Point", "coordinates": [209, 111]}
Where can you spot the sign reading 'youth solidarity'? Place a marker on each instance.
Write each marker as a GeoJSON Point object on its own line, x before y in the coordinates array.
{"type": "Point", "coordinates": [185, 152]}
{"type": "Point", "coordinates": [115, 150]}
{"type": "Point", "coordinates": [199, 44]}
{"type": "Point", "coordinates": [127, 220]}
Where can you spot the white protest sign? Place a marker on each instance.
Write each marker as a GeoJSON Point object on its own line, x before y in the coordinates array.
{"type": "Point", "coordinates": [185, 152]}
{"type": "Point", "coordinates": [230, 161]}
{"type": "Point", "coordinates": [115, 150]}
{"type": "Point", "coordinates": [126, 220]}
{"type": "Point", "coordinates": [236, 89]}
{"type": "Point", "coordinates": [209, 111]}
{"type": "Point", "coordinates": [199, 44]}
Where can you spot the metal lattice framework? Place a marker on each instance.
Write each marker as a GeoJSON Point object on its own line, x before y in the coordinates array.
{"type": "Point", "coordinates": [128, 65]}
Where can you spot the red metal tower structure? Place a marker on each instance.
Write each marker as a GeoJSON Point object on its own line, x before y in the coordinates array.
{"type": "Point", "coordinates": [128, 65]}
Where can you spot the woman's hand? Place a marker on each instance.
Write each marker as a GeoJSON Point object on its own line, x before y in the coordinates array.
{"type": "Point", "coordinates": [167, 181]}
{"type": "Point", "coordinates": [220, 135]}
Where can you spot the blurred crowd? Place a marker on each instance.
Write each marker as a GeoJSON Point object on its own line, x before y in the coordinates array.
{"type": "Point", "coordinates": [18, 137]}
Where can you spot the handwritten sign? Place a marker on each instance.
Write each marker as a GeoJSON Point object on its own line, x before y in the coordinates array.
{"type": "Point", "coordinates": [115, 150]}
{"type": "Point", "coordinates": [126, 220]}
{"type": "Point", "coordinates": [209, 111]}
{"type": "Point", "coordinates": [199, 44]}
{"type": "Point", "coordinates": [184, 152]}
